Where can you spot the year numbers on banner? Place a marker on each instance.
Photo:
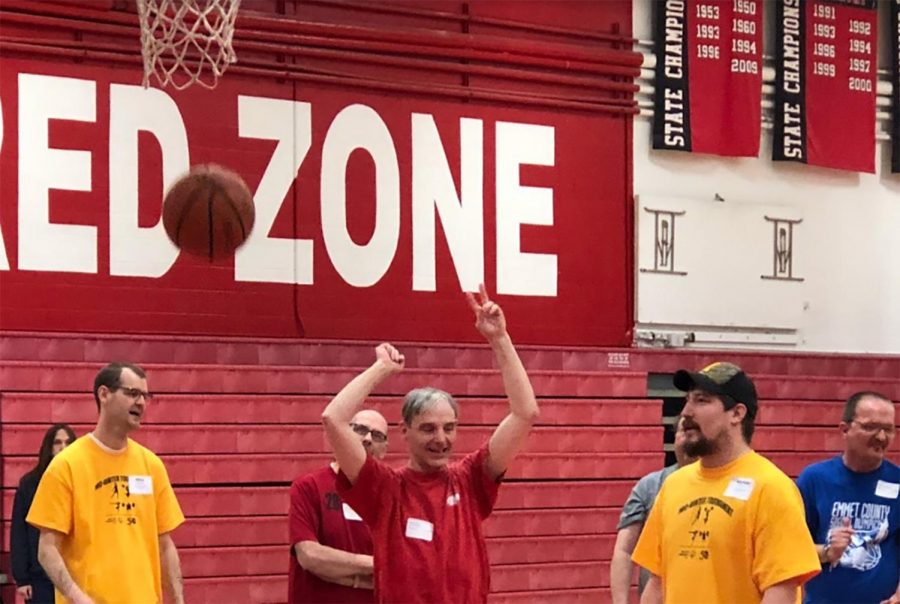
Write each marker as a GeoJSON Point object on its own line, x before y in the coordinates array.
{"type": "Point", "coordinates": [860, 46]}
{"type": "Point", "coordinates": [745, 7]}
{"type": "Point", "coordinates": [860, 65]}
{"type": "Point", "coordinates": [860, 84]}
{"type": "Point", "coordinates": [708, 51]}
{"type": "Point", "coordinates": [744, 66]}
{"type": "Point", "coordinates": [825, 31]}
{"type": "Point", "coordinates": [707, 11]}
{"type": "Point", "coordinates": [742, 26]}
{"type": "Point", "coordinates": [824, 12]}
{"type": "Point", "coordinates": [824, 69]}
{"type": "Point", "coordinates": [745, 46]}
{"type": "Point", "coordinates": [710, 32]}
{"type": "Point", "coordinates": [823, 50]}
{"type": "Point", "coordinates": [860, 27]}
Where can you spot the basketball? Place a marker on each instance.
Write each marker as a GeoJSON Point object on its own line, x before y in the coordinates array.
{"type": "Point", "coordinates": [208, 212]}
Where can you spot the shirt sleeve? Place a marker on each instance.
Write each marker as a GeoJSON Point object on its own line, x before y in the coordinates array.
{"type": "Point", "coordinates": [368, 496]}
{"type": "Point", "coordinates": [475, 473]}
{"type": "Point", "coordinates": [648, 551]}
{"type": "Point", "coordinates": [783, 547]}
{"type": "Point", "coordinates": [303, 517]}
{"type": "Point", "coordinates": [18, 536]}
{"type": "Point", "coordinates": [807, 488]}
{"type": "Point", "coordinates": [639, 502]}
{"type": "Point", "coordinates": [52, 505]}
{"type": "Point", "coordinates": [168, 512]}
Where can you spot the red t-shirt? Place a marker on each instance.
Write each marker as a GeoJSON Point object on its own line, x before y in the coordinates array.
{"type": "Point", "coordinates": [318, 514]}
{"type": "Point", "coordinates": [429, 544]}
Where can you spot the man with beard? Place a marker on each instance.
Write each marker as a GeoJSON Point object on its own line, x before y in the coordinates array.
{"type": "Point", "coordinates": [729, 528]}
{"type": "Point", "coordinates": [853, 510]}
{"type": "Point", "coordinates": [426, 517]}
{"type": "Point", "coordinates": [634, 514]}
{"type": "Point", "coordinates": [331, 558]}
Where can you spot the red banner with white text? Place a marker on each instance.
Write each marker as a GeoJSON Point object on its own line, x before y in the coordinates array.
{"type": "Point", "coordinates": [709, 76]}
{"type": "Point", "coordinates": [373, 211]}
{"type": "Point", "coordinates": [826, 77]}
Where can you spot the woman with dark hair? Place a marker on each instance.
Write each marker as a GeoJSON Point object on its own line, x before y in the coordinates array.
{"type": "Point", "coordinates": [32, 583]}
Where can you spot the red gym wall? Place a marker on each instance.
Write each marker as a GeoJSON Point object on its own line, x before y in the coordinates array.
{"type": "Point", "coordinates": [89, 153]}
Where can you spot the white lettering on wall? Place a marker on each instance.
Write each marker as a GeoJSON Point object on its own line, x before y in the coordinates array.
{"type": "Point", "coordinates": [461, 216]}
{"type": "Point", "coordinates": [437, 197]}
{"type": "Point", "coordinates": [263, 258]}
{"type": "Point", "coordinates": [360, 127]}
{"type": "Point", "coordinates": [44, 246]}
{"type": "Point", "coordinates": [133, 250]}
{"type": "Point", "coordinates": [4, 259]}
{"type": "Point", "coordinates": [521, 273]}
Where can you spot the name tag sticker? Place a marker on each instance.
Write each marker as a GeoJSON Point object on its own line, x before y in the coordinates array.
{"type": "Point", "coordinates": [419, 529]}
{"type": "Point", "coordinates": [888, 490]}
{"type": "Point", "coordinates": [350, 513]}
{"type": "Point", "coordinates": [740, 488]}
{"type": "Point", "coordinates": [140, 485]}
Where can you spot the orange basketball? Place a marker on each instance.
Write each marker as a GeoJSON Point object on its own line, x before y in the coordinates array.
{"type": "Point", "coordinates": [208, 212]}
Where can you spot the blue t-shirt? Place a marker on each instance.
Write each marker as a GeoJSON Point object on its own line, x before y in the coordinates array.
{"type": "Point", "coordinates": [868, 571]}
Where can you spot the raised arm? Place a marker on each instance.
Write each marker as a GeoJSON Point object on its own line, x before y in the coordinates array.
{"type": "Point", "coordinates": [511, 434]}
{"type": "Point", "coordinates": [55, 567]}
{"type": "Point", "coordinates": [348, 449]}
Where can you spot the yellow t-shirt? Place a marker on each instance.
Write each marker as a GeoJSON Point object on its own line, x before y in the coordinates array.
{"type": "Point", "coordinates": [725, 535]}
{"type": "Point", "coordinates": [112, 507]}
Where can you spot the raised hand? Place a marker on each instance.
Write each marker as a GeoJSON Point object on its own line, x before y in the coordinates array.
{"type": "Point", "coordinates": [489, 319]}
{"type": "Point", "coordinates": [390, 357]}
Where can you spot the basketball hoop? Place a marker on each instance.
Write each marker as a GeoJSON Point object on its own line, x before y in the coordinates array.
{"type": "Point", "coordinates": [187, 41]}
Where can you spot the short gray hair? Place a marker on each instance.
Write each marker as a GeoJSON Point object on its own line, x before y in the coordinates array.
{"type": "Point", "coordinates": [421, 399]}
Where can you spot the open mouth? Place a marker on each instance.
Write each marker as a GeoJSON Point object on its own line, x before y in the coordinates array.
{"type": "Point", "coordinates": [135, 414]}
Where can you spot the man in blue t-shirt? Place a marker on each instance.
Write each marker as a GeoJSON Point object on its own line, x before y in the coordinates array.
{"type": "Point", "coordinates": [853, 510]}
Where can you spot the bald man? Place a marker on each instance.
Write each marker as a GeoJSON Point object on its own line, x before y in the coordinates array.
{"type": "Point", "coordinates": [331, 547]}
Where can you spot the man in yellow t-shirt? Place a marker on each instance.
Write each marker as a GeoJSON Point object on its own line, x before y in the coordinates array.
{"type": "Point", "coordinates": [729, 528]}
{"type": "Point", "coordinates": [106, 509]}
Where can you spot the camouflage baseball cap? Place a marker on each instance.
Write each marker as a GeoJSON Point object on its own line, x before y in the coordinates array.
{"type": "Point", "coordinates": [720, 379]}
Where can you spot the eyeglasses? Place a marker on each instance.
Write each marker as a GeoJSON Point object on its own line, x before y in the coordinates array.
{"type": "Point", "coordinates": [135, 393]}
{"type": "Point", "coordinates": [378, 437]}
{"type": "Point", "coordinates": [889, 430]}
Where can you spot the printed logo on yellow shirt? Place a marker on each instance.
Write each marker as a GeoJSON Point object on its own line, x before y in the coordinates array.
{"type": "Point", "coordinates": [702, 512]}
{"type": "Point", "coordinates": [120, 506]}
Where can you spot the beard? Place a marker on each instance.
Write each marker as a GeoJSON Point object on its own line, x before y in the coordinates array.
{"type": "Point", "coordinates": [701, 447]}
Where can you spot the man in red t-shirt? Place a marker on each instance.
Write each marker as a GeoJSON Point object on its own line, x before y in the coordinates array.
{"type": "Point", "coordinates": [331, 548]}
{"type": "Point", "coordinates": [426, 517]}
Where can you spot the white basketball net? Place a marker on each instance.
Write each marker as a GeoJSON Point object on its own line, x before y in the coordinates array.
{"type": "Point", "coordinates": [187, 41]}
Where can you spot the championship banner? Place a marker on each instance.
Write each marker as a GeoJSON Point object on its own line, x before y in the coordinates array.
{"type": "Point", "coordinates": [825, 83]}
{"type": "Point", "coordinates": [708, 76]}
{"type": "Point", "coordinates": [895, 73]}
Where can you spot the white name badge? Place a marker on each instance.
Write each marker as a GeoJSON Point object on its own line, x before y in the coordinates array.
{"type": "Point", "coordinates": [140, 485]}
{"type": "Point", "coordinates": [740, 488]}
{"type": "Point", "coordinates": [888, 490]}
{"type": "Point", "coordinates": [350, 513]}
{"type": "Point", "coordinates": [419, 529]}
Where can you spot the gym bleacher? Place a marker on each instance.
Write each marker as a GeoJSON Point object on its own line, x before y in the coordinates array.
{"type": "Point", "coordinates": [237, 420]}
